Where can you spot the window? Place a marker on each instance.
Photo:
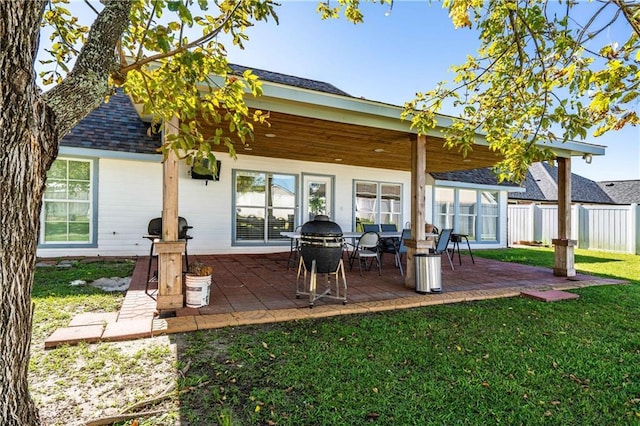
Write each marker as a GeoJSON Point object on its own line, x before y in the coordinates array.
{"type": "Point", "coordinates": [377, 202]}
{"type": "Point", "coordinates": [67, 203]}
{"type": "Point", "coordinates": [467, 211]}
{"type": "Point", "coordinates": [490, 213]}
{"type": "Point", "coordinates": [444, 208]}
{"type": "Point", "coordinates": [264, 206]}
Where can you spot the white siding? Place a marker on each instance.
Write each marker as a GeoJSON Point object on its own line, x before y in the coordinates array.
{"type": "Point", "coordinates": [130, 194]}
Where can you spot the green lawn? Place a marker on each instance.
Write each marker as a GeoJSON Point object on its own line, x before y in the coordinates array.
{"type": "Point", "coordinates": [507, 361]}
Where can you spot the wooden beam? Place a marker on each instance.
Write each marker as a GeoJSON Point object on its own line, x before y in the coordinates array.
{"type": "Point", "coordinates": [563, 244]}
{"type": "Point", "coordinates": [169, 248]}
{"type": "Point", "coordinates": [418, 192]}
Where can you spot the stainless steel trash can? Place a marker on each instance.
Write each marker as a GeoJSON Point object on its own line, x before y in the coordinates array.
{"type": "Point", "coordinates": [428, 273]}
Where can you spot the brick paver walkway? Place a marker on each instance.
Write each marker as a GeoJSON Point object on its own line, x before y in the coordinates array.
{"type": "Point", "coordinates": [258, 288]}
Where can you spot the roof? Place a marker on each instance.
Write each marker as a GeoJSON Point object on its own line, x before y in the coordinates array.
{"type": "Point", "coordinates": [622, 191]}
{"type": "Point", "coordinates": [476, 176]}
{"type": "Point", "coordinates": [290, 80]}
{"type": "Point", "coordinates": [541, 184]}
{"type": "Point", "coordinates": [113, 126]}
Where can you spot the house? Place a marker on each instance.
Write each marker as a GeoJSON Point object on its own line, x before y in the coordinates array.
{"type": "Point", "coordinates": [541, 186]}
{"type": "Point", "coordinates": [622, 191]}
{"type": "Point", "coordinates": [324, 152]}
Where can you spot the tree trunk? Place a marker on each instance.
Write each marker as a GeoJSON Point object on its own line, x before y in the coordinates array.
{"type": "Point", "coordinates": [31, 126]}
{"type": "Point", "coordinates": [27, 151]}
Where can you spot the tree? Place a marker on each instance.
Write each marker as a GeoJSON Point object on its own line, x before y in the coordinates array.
{"type": "Point", "coordinates": [544, 72]}
{"type": "Point", "coordinates": [534, 76]}
{"type": "Point", "coordinates": [151, 49]}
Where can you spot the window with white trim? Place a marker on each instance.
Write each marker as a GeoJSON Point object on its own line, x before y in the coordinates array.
{"type": "Point", "coordinates": [67, 203]}
{"type": "Point", "coordinates": [377, 202]}
{"type": "Point", "coordinates": [472, 212]}
{"type": "Point", "coordinates": [265, 205]}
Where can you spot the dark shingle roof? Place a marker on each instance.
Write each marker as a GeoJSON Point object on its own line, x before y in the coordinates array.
{"type": "Point", "coordinates": [116, 126]}
{"type": "Point", "coordinates": [477, 176]}
{"type": "Point", "coordinates": [113, 126]}
{"type": "Point", "coordinates": [622, 191]}
{"type": "Point", "coordinates": [542, 185]}
{"type": "Point", "coordinates": [289, 80]}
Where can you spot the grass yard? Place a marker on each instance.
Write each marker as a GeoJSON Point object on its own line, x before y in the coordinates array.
{"type": "Point", "coordinates": [509, 361]}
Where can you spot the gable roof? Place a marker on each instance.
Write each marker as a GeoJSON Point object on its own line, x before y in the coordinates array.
{"type": "Point", "coordinates": [290, 80]}
{"type": "Point", "coordinates": [622, 191]}
{"type": "Point", "coordinates": [541, 184]}
{"type": "Point", "coordinates": [113, 126]}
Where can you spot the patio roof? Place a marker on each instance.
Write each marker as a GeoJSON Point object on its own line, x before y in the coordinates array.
{"type": "Point", "coordinates": [311, 120]}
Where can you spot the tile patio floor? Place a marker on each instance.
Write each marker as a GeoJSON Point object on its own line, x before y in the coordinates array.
{"type": "Point", "coordinates": [258, 288]}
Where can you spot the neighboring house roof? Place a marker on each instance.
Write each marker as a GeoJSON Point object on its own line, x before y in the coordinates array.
{"type": "Point", "coordinates": [289, 80]}
{"type": "Point", "coordinates": [477, 176]}
{"type": "Point", "coordinates": [541, 184]}
{"type": "Point", "coordinates": [113, 126]}
{"type": "Point", "coordinates": [622, 191]}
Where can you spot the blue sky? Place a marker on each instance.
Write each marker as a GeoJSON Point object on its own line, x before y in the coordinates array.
{"type": "Point", "coordinates": [389, 58]}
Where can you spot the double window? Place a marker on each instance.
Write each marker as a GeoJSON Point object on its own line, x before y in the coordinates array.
{"type": "Point", "coordinates": [67, 203]}
{"type": "Point", "coordinates": [377, 202]}
{"type": "Point", "coordinates": [470, 212]}
{"type": "Point", "coordinates": [265, 205]}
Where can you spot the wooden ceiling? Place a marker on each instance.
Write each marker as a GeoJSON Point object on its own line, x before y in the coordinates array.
{"type": "Point", "coordinates": [307, 139]}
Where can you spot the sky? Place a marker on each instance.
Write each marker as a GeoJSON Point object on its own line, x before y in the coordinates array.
{"type": "Point", "coordinates": [388, 58]}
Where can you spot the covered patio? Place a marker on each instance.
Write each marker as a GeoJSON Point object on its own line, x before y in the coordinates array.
{"type": "Point", "coordinates": [259, 289]}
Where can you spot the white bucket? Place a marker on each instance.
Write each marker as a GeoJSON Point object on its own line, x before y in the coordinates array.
{"type": "Point", "coordinates": [198, 289]}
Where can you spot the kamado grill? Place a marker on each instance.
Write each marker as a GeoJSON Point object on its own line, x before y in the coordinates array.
{"type": "Point", "coordinates": [321, 253]}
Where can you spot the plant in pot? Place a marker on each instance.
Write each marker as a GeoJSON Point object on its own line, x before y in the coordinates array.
{"type": "Point", "coordinates": [198, 283]}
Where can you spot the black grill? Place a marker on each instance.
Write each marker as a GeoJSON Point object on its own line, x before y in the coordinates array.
{"type": "Point", "coordinates": [321, 240]}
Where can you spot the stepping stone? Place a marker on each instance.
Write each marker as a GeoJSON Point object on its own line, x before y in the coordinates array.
{"type": "Point", "coordinates": [549, 295]}
{"type": "Point", "coordinates": [74, 335]}
{"type": "Point", "coordinates": [128, 330]}
{"type": "Point", "coordinates": [93, 318]}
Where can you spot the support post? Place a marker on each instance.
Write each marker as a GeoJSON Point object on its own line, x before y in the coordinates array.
{"type": "Point", "coordinates": [417, 243]}
{"type": "Point", "coordinates": [169, 248]}
{"type": "Point", "coordinates": [564, 246]}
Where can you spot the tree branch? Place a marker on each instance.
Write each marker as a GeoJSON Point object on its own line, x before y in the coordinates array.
{"type": "Point", "coordinates": [86, 85]}
{"type": "Point", "coordinates": [203, 39]}
{"type": "Point", "coordinates": [629, 16]}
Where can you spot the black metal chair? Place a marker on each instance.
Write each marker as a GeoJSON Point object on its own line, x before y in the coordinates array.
{"type": "Point", "coordinates": [370, 227]}
{"type": "Point", "coordinates": [443, 245]}
{"type": "Point", "coordinates": [456, 239]}
{"type": "Point", "coordinates": [154, 234]}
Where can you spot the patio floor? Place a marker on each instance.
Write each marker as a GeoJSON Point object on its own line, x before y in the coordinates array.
{"type": "Point", "coordinates": [258, 288]}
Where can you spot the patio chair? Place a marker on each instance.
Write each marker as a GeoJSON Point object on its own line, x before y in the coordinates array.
{"type": "Point", "coordinates": [370, 227]}
{"type": "Point", "coordinates": [294, 251]}
{"type": "Point", "coordinates": [367, 248]}
{"type": "Point", "coordinates": [389, 245]}
{"type": "Point", "coordinates": [402, 248]}
{"type": "Point", "coordinates": [443, 245]}
{"type": "Point", "coordinates": [456, 239]}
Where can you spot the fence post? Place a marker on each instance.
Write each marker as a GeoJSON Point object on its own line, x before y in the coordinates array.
{"type": "Point", "coordinates": [634, 219]}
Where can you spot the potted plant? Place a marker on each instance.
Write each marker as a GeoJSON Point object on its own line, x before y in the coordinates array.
{"type": "Point", "coordinates": [198, 284]}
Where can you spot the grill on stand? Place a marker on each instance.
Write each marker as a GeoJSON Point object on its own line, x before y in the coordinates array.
{"type": "Point", "coordinates": [321, 254]}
